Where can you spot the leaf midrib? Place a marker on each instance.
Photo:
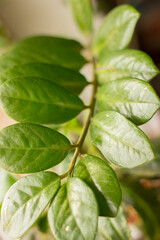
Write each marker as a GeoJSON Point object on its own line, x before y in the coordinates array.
{"type": "Point", "coordinates": [60, 104]}
{"type": "Point", "coordinates": [66, 83]}
{"type": "Point", "coordinates": [73, 214]}
{"type": "Point", "coordinates": [111, 33]}
{"type": "Point", "coordinates": [57, 147]}
{"type": "Point", "coordinates": [52, 183]}
{"type": "Point", "coordinates": [76, 107]}
{"type": "Point", "coordinates": [104, 97]}
{"type": "Point", "coordinates": [116, 138]}
{"type": "Point", "coordinates": [94, 182]}
{"type": "Point", "coordinates": [102, 232]}
{"type": "Point", "coordinates": [119, 70]}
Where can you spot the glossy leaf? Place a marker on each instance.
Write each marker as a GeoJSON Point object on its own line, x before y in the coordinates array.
{"type": "Point", "coordinates": [116, 29]}
{"type": "Point", "coordinates": [73, 214]}
{"type": "Point", "coordinates": [6, 180]}
{"type": "Point", "coordinates": [103, 181]}
{"type": "Point", "coordinates": [31, 99]}
{"type": "Point", "coordinates": [82, 11]}
{"type": "Point", "coordinates": [133, 98]}
{"type": "Point", "coordinates": [123, 64]}
{"type": "Point", "coordinates": [67, 78]}
{"type": "Point", "coordinates": [26, 200]}
{"type": "Point", "coordinates": [26, 148]}
{"type": "Point", "coordinates": [148, 170]}
{"type": "Point", "coordinates": [120, 141]}
{"type": "Point", "coordinates": [151, 169]}
{"type": "Point", "coordinates": [51, 41]}
{"type": "Point", "coordinates": [42, 53]}
{"type": "Point", "coordinates": [113, 228]}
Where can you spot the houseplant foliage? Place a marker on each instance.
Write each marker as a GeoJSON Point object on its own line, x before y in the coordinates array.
{"type": "Point", "coordinates": [40, 85]}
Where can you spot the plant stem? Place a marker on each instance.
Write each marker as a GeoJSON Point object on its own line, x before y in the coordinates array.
{"type": "Point", "coordinates": [81, 139]}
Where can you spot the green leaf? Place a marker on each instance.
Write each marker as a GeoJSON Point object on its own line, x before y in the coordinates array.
{"type": "Point", "coordinates": [123, 64]}
{"type": "Point", "coordinates": [120, 141]}
{"type": "Point", "coordinates": [113, 228]}
{"type": "Point", "coordinates": [133, 98]}
{"type": "Point", "coordinates": [144, 209]}
{"type": "Point", "coordinates": [156, 148]}
{"type": "Point", "coordinates": [152, 169]}
{"type": "Point", "coordinates": [148, 170]}
{"type": "Point", "coordinates": [47, 41]}
{"type": "Point", "coordinates": [103, 181]}
{"type": "Point", "coordinates": [65, 164]}
{"type": "Point", "coordinates": [74, 213]}
{"type": "Point", "coordinates": [82, 11]}
{"type": "Point", "coordinates": [26, 200]}
{"type": "Point", "coordinates": [116, 29]}
{"type": "Point", "coordinates": [6, 181]}
{"type": "Point", "coordinates": [42, 53]}
{"type": "Point", "coordinates": [43, 225]}
{"type": "Point", "coordinates": [26, 148]}
{"type": "Point", "coordinates": [67, 78]}
{"type": "Point", "coordinates": [31, 99]}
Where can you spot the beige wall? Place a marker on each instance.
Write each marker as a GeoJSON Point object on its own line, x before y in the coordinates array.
{"type": "Point", "coordinates": [27, 17]}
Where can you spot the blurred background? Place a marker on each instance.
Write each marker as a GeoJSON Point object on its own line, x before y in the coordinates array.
{"type": "Point", "coordinates": [21, 18]}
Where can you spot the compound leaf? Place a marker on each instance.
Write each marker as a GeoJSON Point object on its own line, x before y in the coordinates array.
{"type": "Point", "coordinates": [82, 11]}
{"type": "Point", "coordinates": [120, 141]}
{"type": "Point", "coordinates": [126, 63]}
{"type": "Point", "coordinates": [133, 98]}
{"type": "Point", "coordinates": [67, 78]}
{"type": "Point", "coordinates": [31, 99]}
{"type": "Point", "coordinates": [74, 213]}
{"type": "Point", "coordinates": [116, 29]}
{"type": "Point", "coordinates": [26, 147]}
{"type": "Point", "coordinates": [103, 181]}
{"type": "Point", "coordinates": [113, 228]}
{"type": "Point", "coordinates": [26, 200]}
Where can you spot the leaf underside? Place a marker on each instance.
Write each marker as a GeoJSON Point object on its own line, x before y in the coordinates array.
{"type": "Point", "coordinates": [73, 214]}
{"type": "Point", "coordinates": [120, 141]}
{"type": "Point", "coordinates": [6, 180]}
{"type": "Point", "coordinates": [26, 200]}
{"type": "Point", "coordinates": [113, 228]}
